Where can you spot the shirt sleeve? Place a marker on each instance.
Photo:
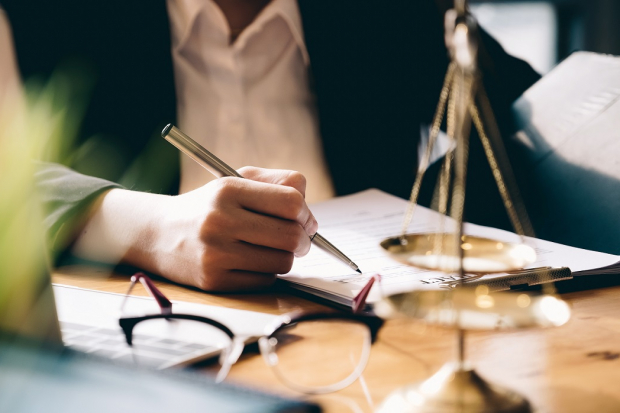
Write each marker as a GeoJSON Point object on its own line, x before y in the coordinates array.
{"type": "Point", "coordinates": [66, 197]}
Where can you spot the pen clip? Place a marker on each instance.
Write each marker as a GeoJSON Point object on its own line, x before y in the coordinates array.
{"type": "Point", "coordinates": [455, 283]}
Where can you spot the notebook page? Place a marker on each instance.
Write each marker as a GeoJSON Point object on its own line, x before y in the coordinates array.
{"type": "Point", "coordinates": [357, 223]}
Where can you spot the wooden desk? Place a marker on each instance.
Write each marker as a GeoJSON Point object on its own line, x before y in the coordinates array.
{"type": "Point", "coordinates": [575, 368]}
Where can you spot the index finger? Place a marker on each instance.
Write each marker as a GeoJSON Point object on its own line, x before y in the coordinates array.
{"type": "Point", "coordinates": [274, 200]}
{"type": "Point", "coordinates": [275, 176]}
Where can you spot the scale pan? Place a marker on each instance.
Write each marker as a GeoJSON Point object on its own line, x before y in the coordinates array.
{"type": "Point", "coordinates": [476, 309]}
{"type": "Point", "coordinates": [436, 251]}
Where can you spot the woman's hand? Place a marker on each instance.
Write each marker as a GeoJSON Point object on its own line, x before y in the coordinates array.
{"type": "Point", "coordinates": [231, 234]}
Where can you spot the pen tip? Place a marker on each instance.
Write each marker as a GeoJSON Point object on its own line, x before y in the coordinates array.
{"type": "Point", "coordinates": [358, 270]}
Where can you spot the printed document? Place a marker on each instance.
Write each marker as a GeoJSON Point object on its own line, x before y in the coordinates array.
{"type": "Point", "coordinates": [357, 223]}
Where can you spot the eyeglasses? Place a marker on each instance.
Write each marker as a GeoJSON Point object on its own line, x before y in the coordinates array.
{"type": "Point", "coordinates": [311, 353]}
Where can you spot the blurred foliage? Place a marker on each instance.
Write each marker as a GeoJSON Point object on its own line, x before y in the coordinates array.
{"type": "Point", "coordinates": [39, 124]}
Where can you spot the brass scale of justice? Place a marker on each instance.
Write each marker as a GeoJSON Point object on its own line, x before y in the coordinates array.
{"type": "Point", "coordinates": [457, 387]}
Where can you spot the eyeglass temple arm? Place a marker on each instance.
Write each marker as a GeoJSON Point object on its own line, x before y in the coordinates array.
{"type": "Point", "coordinates": [359, 302]}
{"type": "Point", "coordinates": [164, 304]}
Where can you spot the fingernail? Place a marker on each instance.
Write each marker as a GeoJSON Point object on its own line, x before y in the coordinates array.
{"type": "Point", "coordinates": [314, 227]}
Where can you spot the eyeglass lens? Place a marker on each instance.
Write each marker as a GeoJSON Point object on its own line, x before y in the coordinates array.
{"type": "Point", "coordinates": [164, 342]}
{"type": "Point", "coordinates": [309, 357]}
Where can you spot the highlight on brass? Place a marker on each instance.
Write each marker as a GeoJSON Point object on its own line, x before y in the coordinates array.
{"type": "Point", "coordinates": [477, 309]}
{"type": "Point", "coordinates": [439, 251]}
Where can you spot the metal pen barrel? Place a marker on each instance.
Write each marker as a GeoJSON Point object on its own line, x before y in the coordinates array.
{"type": "Point", "coordinates": [220, 169]}
{"type": "Point", "coordinates": [197, 152]}
{"type": "Point", "coordinates": [325, 245]}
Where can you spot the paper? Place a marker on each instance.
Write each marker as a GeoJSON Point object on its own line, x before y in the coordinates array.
{"type": "Point", "coordinates": [357, 223]}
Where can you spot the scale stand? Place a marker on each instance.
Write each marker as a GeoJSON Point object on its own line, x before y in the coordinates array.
{"type": "Point", "coordinates": [457, 387]}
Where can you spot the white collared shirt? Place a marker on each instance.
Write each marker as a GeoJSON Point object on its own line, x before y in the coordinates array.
{"type": "Point", "coordinates": [250, 102]}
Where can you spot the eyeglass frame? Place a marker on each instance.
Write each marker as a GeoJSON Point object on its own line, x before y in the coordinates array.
{"type": "Point", "coordinates": [230, 356]}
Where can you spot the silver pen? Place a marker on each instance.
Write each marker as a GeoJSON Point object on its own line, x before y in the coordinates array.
{"type": "Point", "coordinates": [220, 169]}
{"type": "Point", "coordinates": [513, 280]}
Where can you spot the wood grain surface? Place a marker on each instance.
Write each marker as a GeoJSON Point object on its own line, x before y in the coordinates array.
{"type": "Point", "coordinates": [574, 368]}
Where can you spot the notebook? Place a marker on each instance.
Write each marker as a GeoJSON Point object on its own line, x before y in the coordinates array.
{"type": "Point", "coordinates": [358, 223]}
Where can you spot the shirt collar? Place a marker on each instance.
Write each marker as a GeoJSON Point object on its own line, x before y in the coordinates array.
{"type": "Point", "coordinates": [184, 13]}
{"type": "Point", "coordinates": [288, 10]}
